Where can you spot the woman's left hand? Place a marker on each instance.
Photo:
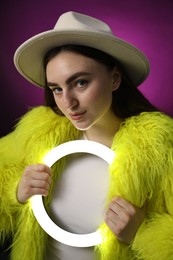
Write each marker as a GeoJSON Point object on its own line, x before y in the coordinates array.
{"type": "Point", "coordinates": [124, 219]}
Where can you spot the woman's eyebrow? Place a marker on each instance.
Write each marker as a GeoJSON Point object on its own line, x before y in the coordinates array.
{"type": "Point", "coordinates": [76, 75]}
{"type": "Point", "coordinates": [70, 79]}
{"type": "Point", "coordinates": [50, 84]}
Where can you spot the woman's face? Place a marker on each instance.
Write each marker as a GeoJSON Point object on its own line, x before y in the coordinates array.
{"type": "Point", "coordinates": [82, 88]}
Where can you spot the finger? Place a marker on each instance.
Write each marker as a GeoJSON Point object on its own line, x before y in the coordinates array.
{"type": "Point", "coordinates": [114, 224]}
{"type": "Point", "coordinates": [40, 168]}
{"type": "Point", "coordinates": [115, 207]}
{"type": "Point", "coordinates": [118, 215]}
{"type": "Point", "coordinates": [37, 191]}
{"type": "Point", "coordinates": [121, 214]}
{"type": "Point", "coordinates": [111, 216]}
{"type": "Point", "coordinates": [126, 204]}
{"type": "Point", "coordinates": [123, 204]}
{"type": "Point", "coordinates": [111, 225]}
{"type": "Point", "coordinates": [43, 176]}
{"type": "Point", "coordinates": [40, 184]}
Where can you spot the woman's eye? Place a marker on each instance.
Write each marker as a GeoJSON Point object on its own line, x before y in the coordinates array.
{"type": "Point", "coordinates": [56, 90]}
{"type": "Point", "coordinates": [82, 83]}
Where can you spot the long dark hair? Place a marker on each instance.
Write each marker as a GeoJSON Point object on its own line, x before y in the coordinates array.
{"type": "Point", "coordinates": [127, 100]}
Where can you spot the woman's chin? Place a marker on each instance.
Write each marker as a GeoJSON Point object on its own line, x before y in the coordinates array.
{"type": "Point", "coordinates": [81, 126]}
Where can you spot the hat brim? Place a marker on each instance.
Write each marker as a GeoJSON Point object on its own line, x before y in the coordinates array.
{"type": "Point", "coordinates": [28, 57]}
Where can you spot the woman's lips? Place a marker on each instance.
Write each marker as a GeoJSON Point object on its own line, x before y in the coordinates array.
{"type": "Point", "coordinates": [77, 116]}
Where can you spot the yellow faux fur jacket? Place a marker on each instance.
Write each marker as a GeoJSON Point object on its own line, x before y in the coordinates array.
{"type": "Point", "coordinates": [141, 172]}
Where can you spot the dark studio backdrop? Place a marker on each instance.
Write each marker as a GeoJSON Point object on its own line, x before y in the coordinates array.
{"type": "Point", "coordinates": [146, 24]}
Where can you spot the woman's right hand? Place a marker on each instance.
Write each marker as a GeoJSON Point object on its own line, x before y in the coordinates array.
{"type": "Point", "coordinates": [36, 180]}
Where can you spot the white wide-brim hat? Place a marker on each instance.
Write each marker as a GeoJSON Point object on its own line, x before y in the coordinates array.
{"type": "Point", "coordinates": [79, 29]}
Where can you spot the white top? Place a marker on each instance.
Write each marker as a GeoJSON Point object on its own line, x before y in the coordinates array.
{"type": "Point", "coordinates": [78, 203]}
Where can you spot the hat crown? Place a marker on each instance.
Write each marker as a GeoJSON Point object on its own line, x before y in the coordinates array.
{"type": "Point", "coordinates": [80, 22]}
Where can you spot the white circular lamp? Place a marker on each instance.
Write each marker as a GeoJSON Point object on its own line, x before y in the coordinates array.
{"type": "Point", "coordinates": [65, 237]}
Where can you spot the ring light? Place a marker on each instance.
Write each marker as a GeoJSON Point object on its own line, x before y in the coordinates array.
{"type": "Point", "coordinates": [65, 237]}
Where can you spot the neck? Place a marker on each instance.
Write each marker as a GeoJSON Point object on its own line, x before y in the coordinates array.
{"type": "Point", "coordinates": [103, 132]}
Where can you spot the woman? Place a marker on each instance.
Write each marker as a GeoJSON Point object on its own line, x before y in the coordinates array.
{"type": "Point", "coordinates": [90, 79]}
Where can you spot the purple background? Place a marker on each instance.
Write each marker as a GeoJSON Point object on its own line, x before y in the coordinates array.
{"type": "Point", "coordinates": [146, 24]}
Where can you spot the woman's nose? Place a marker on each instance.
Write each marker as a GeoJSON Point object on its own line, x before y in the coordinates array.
{"type": "Point", "coordinates": [70, 100]}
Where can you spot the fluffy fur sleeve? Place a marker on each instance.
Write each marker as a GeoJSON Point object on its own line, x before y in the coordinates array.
{"type": "Point", "coordinates": [154, 239]}
{"type": "Point", "coordinates": [142, 172]}
{"type": "Point", "coordinates": [38, 131]}
{"type": "Point", "coordinates": [11, 168]}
